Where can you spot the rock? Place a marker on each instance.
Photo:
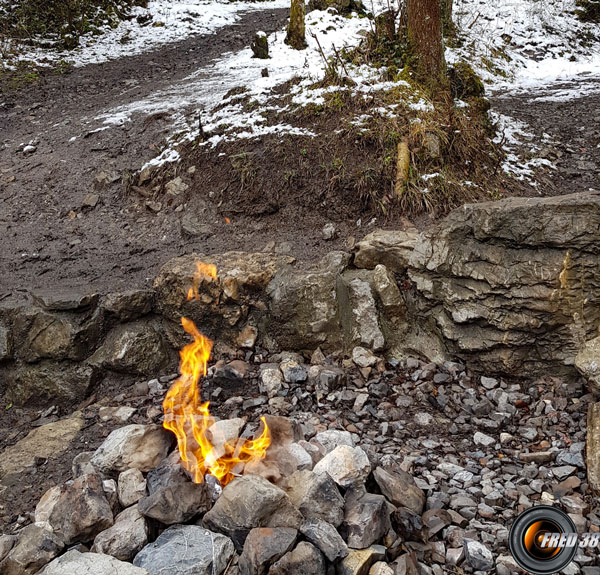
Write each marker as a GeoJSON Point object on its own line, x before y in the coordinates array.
{"type": "Point", "coordinates": [392, 248]}
{"type": "Point", "coordinates": [247, 337]}
{"type": "Point", "coordinates": [316, 496]}
{"type": "Point", "coordinates": [325, 537]}
{"type": "Point", "coordinates": [587, 361]}
{"type": "Point", "coordinates": [46, 504]}
{"type": "Point", "coordinates": [593, 447]}
{"type": "Point", "coordinates": [407, 564]}
{"type": "Point", "coordinates": [177, 502]}
{"type": "Point", "coordinates": [271, 381]}
{"type": "Point", "coordinates": [248, 502]}
{"type": "Point", "coordinates": [194, 225]}
{"type": "Point", "coordinates": [478, 556]}
{"type": "Point", "coordinates": [264, 546]}
{"type": "Point", "coordinates": [329, 232]}
{"type": "Point", "coordinates": [81, 464]}
{"type": "Point", "coordinates": [408, 524]}
{"type": "Point", "coordinates": [186, 550]}
{"type": "Point", "coordinates": [283, 430]}
{"type": "Point", "coordinates": [483, 439]}
{"type": "Point", "coordinates": [366, 518]}
{"type": "Point", "coordinates": [400, 488]}
{"type": "Point", "coordinates": [495, 282]}
{"type": "Point", "coordinates": [134, 446]}
{"type": "Point", "coordinates": [303, 304]}
{"type": "Point", "coordinates": [75, 563]}
{"type": "Point", "coordinates": [136, 348]}
{"type": "Point", "coordinates": [48, 441]}
{"type": "Point", "coordinates": [363, 357]}
{"type": "Point", "coordinates": [176, 187]}
{"type": "Point", "coordinates": [82, 510]}
{"type": "Point", "coordinates": [129, 305]}
{"type": "Point", "coordinates": [119, 414]}
{"type": "Point", "coordinates": [358, 311]}
{"type": "Point", "coordinates": [6, 345]}
{"type": "Point", "coordinates": [90, 201]}
{"type": "Point", "coordinates": [36, 547]}
{"type": "Point", "coordinates": [346, 465]}
{"type": "Point", "coordinates": [332, 438]}
{"type": "Point", "coordinates": [360, 561]}
{"type": "Point", "coordinates": [260, 46]}
{"type": "Point", "coordinates": [381, 568]}
{"type": "Point", "coordinates": [293, 372]}
{"type": "Point", "coordinates": [225, 431]}
{"type": "Point", "coordinates": [125, 538]}
{"type": "Point", "coordinates": [7, 542]}
{"type": "Point", "coordinates": [65, 300]}
{"type": "Point", "coordinates": [305, 559]}
{"type": "Point", "coordinates": [49, 383]}
{"type": "Point", "coordinates": [289, 458]}
{"type": "Point", "coordinates": [131, 487]}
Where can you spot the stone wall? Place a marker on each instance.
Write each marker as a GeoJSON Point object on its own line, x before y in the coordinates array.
{"type": "Point", "coordinates": [512, 287]}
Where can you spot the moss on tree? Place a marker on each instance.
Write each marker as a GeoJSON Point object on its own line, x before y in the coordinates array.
{"type": "Point", "coordinates": [296, 33]}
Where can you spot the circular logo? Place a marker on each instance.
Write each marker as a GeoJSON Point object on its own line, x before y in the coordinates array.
{"type": "Point", "coordinates": [543, 540]}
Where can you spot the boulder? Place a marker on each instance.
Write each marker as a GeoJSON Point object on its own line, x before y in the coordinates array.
{"type": "Point", "coordinates": [248, 502]}
{"type": "Point", "coordinates": [46, 504]}
{"type": "Point", "coordinates": [36, 547]}
{"type": "Point", "coordinates": [512, 286]}
{"type": "Point", "coordinates": [134, 446]}
{"type": "Point", "coordinates": [74, 563]}
{"type": "Point", "coordinates": [48, 441]}
{"type": "Point", "coordinates": [264, 546]}
{"type": "Point", "coordinates": [316, 496]}
{"type": "Point", "coordinates": [346, 465]}
{"type": "Point", "coordinates": [305, 559]}
{"type": "Point", "coordinates": [400, 488]}
{"type": "Point", "coordinates": [325, 537]}
{"type": "Point", "coordinates": [125, 538]}
{"type": "Point", "coordinates": [303, 305]}
{"type": "Point", "coordinates": [72, 300]}
{"type": "Point", "coordinates": [82, 510]}
{"type": "Point", "coordinates": [186, 550]}
{"type": "Point", "coordinates": [137, 348]}
{"type": "Point", "coordinates": [129, 305]}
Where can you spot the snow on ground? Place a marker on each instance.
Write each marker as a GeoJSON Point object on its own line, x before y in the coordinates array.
{"type": "Point", "coordinates": [171, 21]}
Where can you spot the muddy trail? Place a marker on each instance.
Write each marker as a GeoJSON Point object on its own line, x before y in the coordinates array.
{"type": "Point", "coordinates": [570, 114]}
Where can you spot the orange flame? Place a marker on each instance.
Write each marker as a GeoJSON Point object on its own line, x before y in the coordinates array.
{"type": "Point", "coordinates": [189, 419]}
{"type": "Point", "coordinates": [203, 271]}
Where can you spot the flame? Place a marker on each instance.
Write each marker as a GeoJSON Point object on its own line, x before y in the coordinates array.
{"type": "Point", "coordinates": [189, 419]}
{"type": "Point", "coordinates": [203, 271]}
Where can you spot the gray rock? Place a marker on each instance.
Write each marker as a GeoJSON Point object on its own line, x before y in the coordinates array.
{"type": "Point", "coordinates": [137, 348]}
{"type": "Point", "coordinates": [125, 538]}
{"type": "Point", "coordinates": [325, 537]}
{"type": "Point", "coordinates": [6, 347]}
{"type": "Point", "coordinates": [36, 547]}
{"type": "Point", "coordinates": [129, 305]}
{"type": "Point", "coordinates": [81, 464]}
{"type": "Point", "coordinates": [263, 547]}
{"type": "Point", "coordinates": [75, 563]}
{"type": "Point", "coordinates": [186, 550]}
{"type": "Point", "coordinates": [271, 381]}
{"type": "Point", "coordinates": [332, 438]}
{"type": "Point", "coordinates": [329, 232]}
{"type": "Point", "coordinates": [293, 372]}
{"type": "Point", "coordinates": [134, 446]}
{"type": "Point", "coordinates": [587, 361]}
{"type": "Point", "coordinates": [346, 465]}
{"type": "Point", "coordinates": [82, 510]}
{"type": "Point", "coordinates": [363, 357]}
{"type": "Point", "coordinates": [478, 556]}
{"type": "Point", "coordinates": [316, 496]}
{"type": "Point", "coordinates": [392, 248]}
{"type": "Point", "coordinates": [305, 559]}
{"type": "Point", "coordinates": [249, 502]}
{"type": "Point", "coordinates": [366, 518]}
{"type": "Point", "coordinates": [7, 542]}
{"type": "Point", "coordinates": [131, 487]}
{"type": "Point", "coordinates": [400, 488]}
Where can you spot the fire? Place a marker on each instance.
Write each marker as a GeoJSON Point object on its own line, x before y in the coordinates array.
{"type": "Point", "coordinates": [189, 419]}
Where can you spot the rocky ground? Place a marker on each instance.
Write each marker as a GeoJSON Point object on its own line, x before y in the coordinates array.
{"type": "Point", "coordinates": [457, 456]}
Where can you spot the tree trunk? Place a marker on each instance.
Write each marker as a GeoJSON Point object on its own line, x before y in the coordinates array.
{"type": "Point", "coordinates": [448, 27]}
{"type": "Point", "coordinates": [424, 27]}
{"type": "Point", "coordinates": [296, 35]}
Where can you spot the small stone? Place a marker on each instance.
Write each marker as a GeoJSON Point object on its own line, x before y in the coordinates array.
{"type": "Point", "coordinates": [90, 201]}
{"type": "Point", "coordinates": [360, 561]}
{"type": "Point", "coordinates": [489, 382]}
{"type": "Point", "coordinates": [366, 518]}
{"type": "Point", "coordinates": [346, 465]}
{"type": "Point", "coordinates": [186, 550]}
{"type": "Point", "coordinates": [478, 556]}
{"type": "Point", "coordinates": [176, 187]}
{"type": "Point", "coordinates": [118, 414]}
{"type": "Point", "coordinates": [47, 503]}
{"type": "Point", "coordinates": [363, 357]}
{"type": "Point", "coordinates": [329, 232]}
{"type": "Point", "coordinates": [538, 457]}
{"type": "Point", "coordinates": [381, 568]}
{"type": "Point", "coordinates": [483, 439]}
{"type": "Point", "coordinates": [271, 382]}
{"type": "Point", "coordinates": [131, 487]}
{"type": "Point", "coordinates": [326, 538]}
{"type": "Point", "coordinates": [332, 438]}
{"type": "Point", "coordinates": [293, 372]}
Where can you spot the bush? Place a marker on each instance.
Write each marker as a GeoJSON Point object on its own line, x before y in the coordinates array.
{"type": "Point", "coordinates": [61, 20]}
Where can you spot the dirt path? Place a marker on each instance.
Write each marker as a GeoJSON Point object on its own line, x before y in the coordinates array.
{"type": "Point", "coordinates": [49, 236]}
{"type": "Point", "coordinates": [570, 114]}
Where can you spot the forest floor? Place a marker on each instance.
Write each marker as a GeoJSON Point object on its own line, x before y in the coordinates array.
{"type": "Point", "coordinates": [74, 141]}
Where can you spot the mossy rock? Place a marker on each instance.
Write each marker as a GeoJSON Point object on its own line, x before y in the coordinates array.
{"type": "Point", "coordinates": [588, 10]}
{"type": "Point", "coordinates": [464, 82]}
{"type": "Point", "coordinates": [260, 46]}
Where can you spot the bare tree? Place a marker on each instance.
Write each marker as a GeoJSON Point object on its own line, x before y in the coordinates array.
{"type": "Point", "coordinates": [296, 34]}
{"type": "Point", "coordinates": [424, 28]}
